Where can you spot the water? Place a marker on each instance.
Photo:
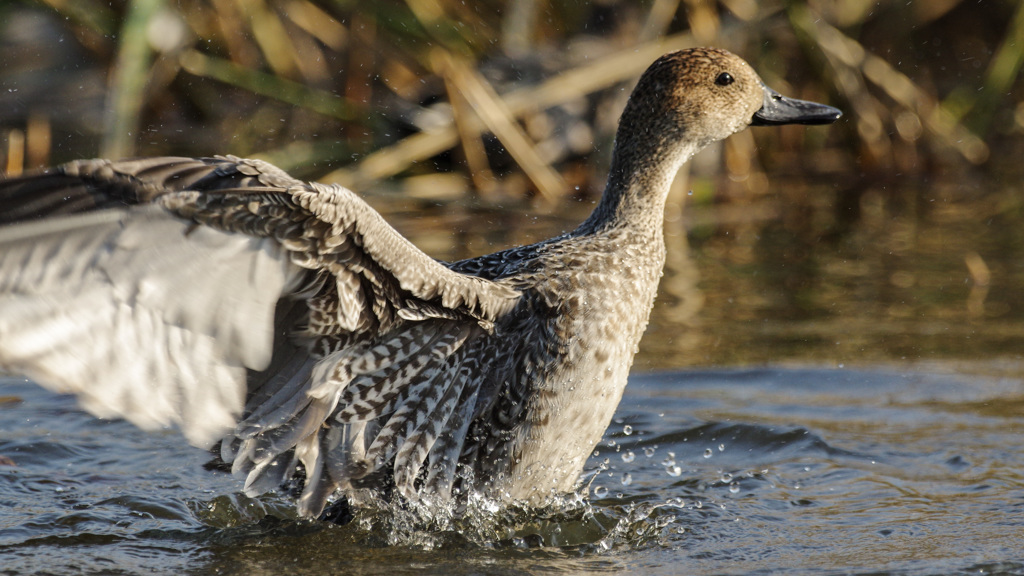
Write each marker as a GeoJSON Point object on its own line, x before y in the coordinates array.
{"type": "Point", "coordinates": [865, 419]}
{"type": "Point", "coordinates": [782, 470]}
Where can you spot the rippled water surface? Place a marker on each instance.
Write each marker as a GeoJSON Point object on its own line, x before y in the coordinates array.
{"type": "Point", "coordinates": [720, 471]}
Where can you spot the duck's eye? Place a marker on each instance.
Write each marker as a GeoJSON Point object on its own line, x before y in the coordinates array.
{"type": "Point", "coordinates": [724, 79]}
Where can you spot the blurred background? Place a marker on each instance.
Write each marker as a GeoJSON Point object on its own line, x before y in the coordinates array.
{"type": "Point", "coordinates": [894, 237]}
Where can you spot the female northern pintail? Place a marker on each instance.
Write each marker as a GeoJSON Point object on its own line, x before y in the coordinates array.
{"type": "Point", "coordinates": [287, 321]}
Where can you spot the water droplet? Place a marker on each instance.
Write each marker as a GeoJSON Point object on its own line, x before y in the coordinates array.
{"type": "Point", "coordinates": [725, 477]}
{"type": "Point", "coordinates": [519, 542]}
{"type": "Point", "coordinates": [627, 478]}
{"type": "Point", "coordinates": [596, 453]}
{"type": "Point", "coordinates": [680, 530]}
{"type": "Point", "coordinates": [670, 461]}
{"type": "Point", "coordinates": [734, 487]}
{"type": "Point", "coordinates": [611, 443]}
{"type": "Point", "coordinates": [721, 447]}
{"type": "Point", "coordinates": [674, 470]}
{"type": "Point", "coordinates": [628, 456]}
{"type": "Point", "coordinates": [627, 429]}
{"type": "Point", "coordinates": [600, 491]}
{"type": "Point", "coordinates": [708, 453]}
{"type": "Point", "coordinates": [698, 504]}
{"type": "Point", "coordinates": [648, 451]}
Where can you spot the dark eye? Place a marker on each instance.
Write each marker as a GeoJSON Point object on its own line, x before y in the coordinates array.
{"type": "Point", "coordinates": [724, 79]}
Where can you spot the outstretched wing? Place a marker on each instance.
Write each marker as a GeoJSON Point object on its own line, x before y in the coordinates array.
{"type": "Point", "coordinates": [139, 317]}
{"type": "Point", "coordinates": [162, 290]}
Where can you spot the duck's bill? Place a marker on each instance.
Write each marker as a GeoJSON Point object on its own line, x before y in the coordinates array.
{"type": "Point", "coordinates": [778, 109]}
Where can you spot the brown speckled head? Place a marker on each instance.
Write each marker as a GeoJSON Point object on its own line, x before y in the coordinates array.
{"type": "Point", "coordinates": [683, 102]}
{"type": "Point", "coordinates": [707, 93]}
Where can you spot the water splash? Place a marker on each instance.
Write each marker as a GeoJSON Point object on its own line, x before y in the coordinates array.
{"type": "Point", "coordinates": [573, 521]}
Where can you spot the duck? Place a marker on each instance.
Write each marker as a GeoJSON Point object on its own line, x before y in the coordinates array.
{"type": "Point", "coordinates": [287, 327]}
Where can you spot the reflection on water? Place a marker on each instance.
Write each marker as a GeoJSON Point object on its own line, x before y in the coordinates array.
{"type": "Point", "coordinates": [926, 272]}
{"type": "Point", "coordinates": [913, 467]}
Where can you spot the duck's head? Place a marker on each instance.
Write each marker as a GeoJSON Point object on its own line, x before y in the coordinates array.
{"type": "Point", "coordinates": [705, 94]}
{"type": "Point", "coordinates": [683, 102]}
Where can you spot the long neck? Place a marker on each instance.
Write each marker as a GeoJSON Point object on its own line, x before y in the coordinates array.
{"type": "Point", "coordinates": [643, 167]}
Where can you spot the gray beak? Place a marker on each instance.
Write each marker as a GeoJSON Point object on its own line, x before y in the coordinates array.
{"type": "Point", "coordinates": [778, 110]}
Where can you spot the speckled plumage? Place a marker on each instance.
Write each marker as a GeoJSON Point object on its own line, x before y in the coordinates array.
{"type": "Point", "coordinates": [289, 322]}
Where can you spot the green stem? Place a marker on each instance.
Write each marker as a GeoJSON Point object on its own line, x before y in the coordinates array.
{"type": "Point", "coordinates": [128, 83]}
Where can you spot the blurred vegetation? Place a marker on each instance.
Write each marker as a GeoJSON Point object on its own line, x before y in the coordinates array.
{"type": "Point", "coordinates": [501, 97]}
{"type": "Point", "coordinates": [895, 233]}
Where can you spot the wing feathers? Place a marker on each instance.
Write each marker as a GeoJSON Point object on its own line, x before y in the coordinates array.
{"type": "Point", "coordinates": [416, 446]}
{"type": "Point", "coordinates": [444, 454]}
{"type": "Point", "coordinates": [398, 395]}
{"type": "Point", "coordinates": [138, 316]}
{"type": "Point", "coordinates": [156, 294]}
{"type": "Point", "coordinates": [415, 272]}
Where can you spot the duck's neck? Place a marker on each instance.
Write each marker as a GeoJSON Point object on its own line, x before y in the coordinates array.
{"type": "Point", "coordinates": [643, 167]}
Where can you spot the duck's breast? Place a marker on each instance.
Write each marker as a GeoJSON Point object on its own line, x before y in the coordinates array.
{"type": "Point", "coordinates": [595, 298]}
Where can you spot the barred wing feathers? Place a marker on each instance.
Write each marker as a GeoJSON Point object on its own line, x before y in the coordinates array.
{"type": "Point", "coordinates": [226, 297]}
